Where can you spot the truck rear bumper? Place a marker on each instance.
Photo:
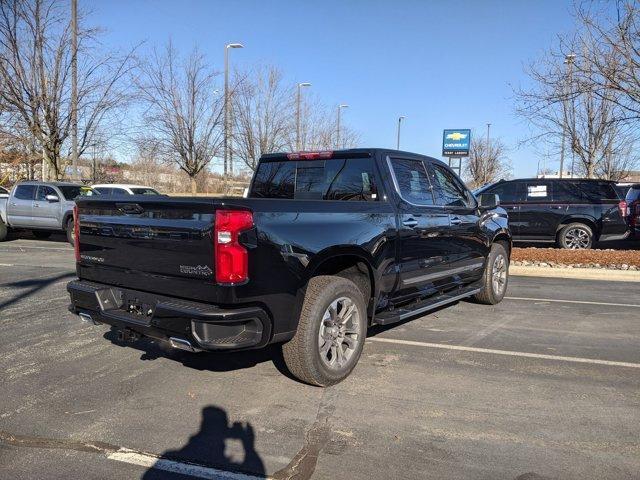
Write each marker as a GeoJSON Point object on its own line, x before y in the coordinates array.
{"type": "Point", "coordinates": [185, 324]}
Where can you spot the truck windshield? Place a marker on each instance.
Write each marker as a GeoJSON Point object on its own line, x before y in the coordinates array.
{"type": "Point", "coordinates": [351, 179]}
{"type": "Point", "coordinates": [72, 191]}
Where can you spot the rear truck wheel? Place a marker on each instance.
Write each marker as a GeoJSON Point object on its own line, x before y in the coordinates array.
{"type": "Point", "coordinates": [4, 231]}
{"type": "Point", "coordinates": [71, 232]}
{"type": "Point", "coordinates": [575, 236]}
{"type": "Point", "coordinates": [495, 278]}
{"type": "Point", "coordinates": [331, 332]}
{"type": "Point", "coordinates": [41, 234]}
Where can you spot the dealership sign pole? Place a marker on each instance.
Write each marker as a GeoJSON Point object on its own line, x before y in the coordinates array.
{"type": "Point", "coordinates": [455, 145]}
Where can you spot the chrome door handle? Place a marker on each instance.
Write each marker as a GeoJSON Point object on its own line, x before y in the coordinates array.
{"type": "Point", "coordinates": [410, 222]}
{"type": "Point", "coordinates": [35, 205]}
{"type": "Point", "coordinates": [455, 221]}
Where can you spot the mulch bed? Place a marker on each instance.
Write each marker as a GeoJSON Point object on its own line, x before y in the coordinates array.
{"type": "Point", "coordinates": [559, 258]}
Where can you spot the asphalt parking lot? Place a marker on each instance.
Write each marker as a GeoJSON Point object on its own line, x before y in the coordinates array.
{"type": "Point", "coordinates": [544, 385]}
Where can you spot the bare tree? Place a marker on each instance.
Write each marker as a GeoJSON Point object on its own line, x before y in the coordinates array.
{"type": "Point", "coordinates": [183, 111]}
{"type": "Point", "coordinates": [612, 51]}
{"type": "Point", "coordinates": [319, 128]}
{"type": "Point", "coordinates": [487, 162]}
{"type": "Point", "coordinates": [567, 108]}
{"type": "Point", "coordinates": [263, 115]}
{"type": "Point", "coordinates": [35, 66]}
{"type": "Point", "coordinates": [586, 95]}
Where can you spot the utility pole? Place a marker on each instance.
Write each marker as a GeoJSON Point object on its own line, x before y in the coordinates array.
{"type": "Point", "coordinates": [400, 118]}
{"type": "Point", "coordinates": [340, 107]}
{"type": "Point", "coordinates": [74, 88]}
{"type": "Point", "coordinates": [568, 61]}
{"type": "Point", "coordinates": [228, 165]}
{"type": "Point", "coordinates": [300, 85]}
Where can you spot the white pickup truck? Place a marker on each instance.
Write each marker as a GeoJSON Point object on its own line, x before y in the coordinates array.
{"type": "Point", "coordinates": [42, 207]}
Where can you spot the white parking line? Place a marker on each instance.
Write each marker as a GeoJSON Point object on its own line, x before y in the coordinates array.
{"type": "Point", "coordinates": [542, 356]}
{"type": "Point", "coordinates": [584, 302]}
{"type": "Point", "coordinates": [14, 248]}
{"type": "Point", "coordinates": [149, 460]}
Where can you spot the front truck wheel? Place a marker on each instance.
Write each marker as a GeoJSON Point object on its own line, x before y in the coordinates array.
{"type": "Point", "coordinates": [331, 332]}
{"type": "Point", "coordinates": [70, 231]}
{"type": "Point", "coordinates": [495, 277]}
{"type": "Point", "coordinates": [4, 231]}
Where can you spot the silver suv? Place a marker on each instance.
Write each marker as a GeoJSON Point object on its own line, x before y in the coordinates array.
{"type": "Point", "coordinates": [43, 207]}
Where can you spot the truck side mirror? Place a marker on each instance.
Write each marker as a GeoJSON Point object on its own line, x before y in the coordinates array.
{"type": "Point", "coordinates": [488, 200]}
{"type": "Point", "coordinates": [52, 198]}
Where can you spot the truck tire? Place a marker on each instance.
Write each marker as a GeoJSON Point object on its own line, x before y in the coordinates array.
{"type": "Point", "coordinates": [576, 236]}
{"type": "Point", "coordinates": [41, 234]}
{"type": "Point", "coordinates": [4, 231]}
{"type": "Point", "coordinates": [331, 332]}
{"type": "Point", "coordinates": [495, 278]}
{"type": "Point", "coordinates": [69, 228]}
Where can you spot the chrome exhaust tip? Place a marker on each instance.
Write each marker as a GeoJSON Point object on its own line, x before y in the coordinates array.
{"type": "Point", "coordinates": [182, 344]}
{"type": "Point", "coordinates": [85, 317]}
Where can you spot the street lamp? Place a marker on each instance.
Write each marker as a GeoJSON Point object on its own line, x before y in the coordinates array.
{"type": "Point", "coordinates": [340, 107]}
{"type": "Point", "coordinates": [488, 130]}
{"type": "Point", "coordinates": [568, 61]}
{"type": "Point", "coordinates": [400, 118]}
{"type": "Point", "coordinates": [228, 165]}
{"type": "Point", "coordinates": [300, 85]}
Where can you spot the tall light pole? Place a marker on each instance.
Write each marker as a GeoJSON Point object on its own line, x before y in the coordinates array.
{"type": "Point", "coordinates": [400, 118]}
{"type": "Point", "coordinates": [488, 130]}
{"type": "Point", "coordinates": [300, 85]}
{"type": "Point", "coordinates": [228, 165]}
{"type": "Point", "coordinates": [568, 61]}
{"type": "Point", "coordinates": [340, 107]}
{"type": "Point", "coordinates": [74, 88]}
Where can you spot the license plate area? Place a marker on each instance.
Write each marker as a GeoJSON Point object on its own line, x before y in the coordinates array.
{"type": "Point", "coordinates": [126, 306]}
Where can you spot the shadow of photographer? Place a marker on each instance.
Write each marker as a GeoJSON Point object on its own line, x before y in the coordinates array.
{"type": "Point", "coordinates": [208, 448]}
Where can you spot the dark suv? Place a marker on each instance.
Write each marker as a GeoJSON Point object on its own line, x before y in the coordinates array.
{"type": "Point", "coordinates": [574, 213]}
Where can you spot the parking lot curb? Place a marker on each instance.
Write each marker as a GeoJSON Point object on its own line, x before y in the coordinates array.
{"type": "Point", "coordinates": [576, 273]}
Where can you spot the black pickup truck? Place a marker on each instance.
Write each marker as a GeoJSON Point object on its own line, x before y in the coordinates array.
{"type": "Point", "coordinates": [325, 245]}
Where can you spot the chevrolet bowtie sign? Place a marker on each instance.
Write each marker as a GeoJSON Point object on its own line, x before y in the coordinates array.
{"type": "Point", "coordinates": [455, 143]}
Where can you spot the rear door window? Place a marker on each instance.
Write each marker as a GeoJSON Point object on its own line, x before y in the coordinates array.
{"type": "Point", "coordinates": [350, 179]}
{"type": "Point", "coordinates": [538, 192]}
{"type": "Point", "coordinates": [412, 181]}
{"type": "Point", "coordinates": [25, 192]}
{"type": "Point", "coordinates": [567, 192]}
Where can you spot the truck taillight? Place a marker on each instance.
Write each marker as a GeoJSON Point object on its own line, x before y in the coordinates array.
{"type": "Point", "coordinates": [635, 214]}
{"type": "Point", "coordinates": [231, 258]}
{"type": "Point", "coordinates": [76, 232]}
{"type": "Point", "coordinates": [622, 206]}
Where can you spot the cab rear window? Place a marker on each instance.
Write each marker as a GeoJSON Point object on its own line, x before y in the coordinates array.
{"type": "Point", "coordinates": [350, 179]}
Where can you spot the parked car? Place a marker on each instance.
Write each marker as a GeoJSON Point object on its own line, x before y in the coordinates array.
{"type": "Point", "coordinates": [124, 189]}
{"type": "Point", "coordinates": [4, 193]}
{"type": "Point", "coordinates": [573, 213]}
{"type": "Point", "coordinates": [325, 245]}
{"type": "Point", "coordinates": [633, 209]}
{"type": "Point", "coordinates": [42, 208]}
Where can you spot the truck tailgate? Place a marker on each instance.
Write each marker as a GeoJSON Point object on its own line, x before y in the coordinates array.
{"type": "Point", "coordinates": [132, 240]}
